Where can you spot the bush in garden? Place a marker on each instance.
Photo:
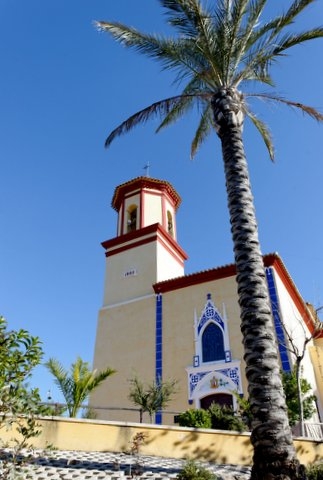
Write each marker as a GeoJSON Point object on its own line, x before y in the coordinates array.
{"type": "Point", "coordinates": [224, 418]}
{"type": "Point", "coordinates": [193, 471]}
{"type": "Point", "coordinates": [195, 418]}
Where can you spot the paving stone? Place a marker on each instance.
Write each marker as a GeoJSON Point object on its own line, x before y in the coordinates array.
{"type": "Point", "coordinates": [70, 465]}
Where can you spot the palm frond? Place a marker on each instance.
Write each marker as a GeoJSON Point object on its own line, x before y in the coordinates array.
{"type": "Point", "coordinates": [188, 97]}
{"type": "Point", "coordinates": [291, 40]}
{"type": "Point", "coordinates": [181, 15]}
{"type": "Point", "coordinates": [306, 109]}
{"type": "Point", "coordinates": [77, 383]}
{"type": "Point", "coordinates": [295, 9]}
{"type": "Point", "coordinates": [208, 42]}
{"type": "Point", "coordinates": [130, 37]}
{"type": "Point", "coordinates": [203, 130]}
{"type": "Point", "coordinates": [264, 40]}
{"type": "Point", "coordinates": [264, 132]}
{"type": "Point", "coordinates": [254, 12]}
{"type": "Point", "coordinates": [234, 16]}
{"type": "Point", "coordinates": [271, 29]}
{"type": "Point", "coordinates": [177, 111]}
{"type": "Point", "coordinates": [99, 376]}
{"type": "Point", "coordinates": [161, 108]}
{"type": "Point", "coordinates": [57, 369]}
{"type": "Point", "coordinates": [254, 67]}
{"type": "Point", "coordinates": [172, 54]}
{"type": "Point", "coordinates": [151, 45]}
{"type": "Point", "coordinates": [218, 44]}
{"type": "Point", "coordinates": [200, 43]}
{"type": "Point", "coordinates": [61, 378]}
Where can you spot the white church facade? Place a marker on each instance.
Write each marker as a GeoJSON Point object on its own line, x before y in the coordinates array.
{"type": "Point", "coordinates": [158, 323]}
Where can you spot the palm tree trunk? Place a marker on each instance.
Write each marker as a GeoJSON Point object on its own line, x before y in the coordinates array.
{"type": "Point", "coordinates": [271, 436]}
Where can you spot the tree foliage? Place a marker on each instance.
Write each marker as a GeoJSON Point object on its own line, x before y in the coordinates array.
{"type": "Point", "coordinates": [20, 352]}
{"type": "Point", "coordinates": [298, 349]}
{"type": "Point", "coordinates": [224, 418]}
{"type": "Point", "coordinates": [195, 418]}
{"type": "Point", "coordinates": [217, 45]}
{"type": "Point", "coordinates": [152, 397]}
{"type": "Point", "coordinates": [219, 417]}
{"type": "Point", "coordinates": [315, 471]}
{"type": "Point", "coordinates": [290, 385]}
{"type": "Point", "coordinates": [194, 471]}
{"type": "Point", "coordinates": [20, 406]}
{"type": "Point", "coordinates": [77, 383]}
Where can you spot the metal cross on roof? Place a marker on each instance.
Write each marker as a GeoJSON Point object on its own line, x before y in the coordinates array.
{"type": "Point", "coordinates": [146, 168]}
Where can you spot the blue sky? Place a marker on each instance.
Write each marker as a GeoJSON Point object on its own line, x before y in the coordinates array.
{"type": "Point", "coordinates": [63, 87]}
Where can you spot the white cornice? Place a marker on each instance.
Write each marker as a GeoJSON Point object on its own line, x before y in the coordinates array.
{"type": "Point", "coordinates": [126, 302]}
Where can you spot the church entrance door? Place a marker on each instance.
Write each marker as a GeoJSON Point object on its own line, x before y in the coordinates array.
{"type": "Point", "coordinates": [223, 399]}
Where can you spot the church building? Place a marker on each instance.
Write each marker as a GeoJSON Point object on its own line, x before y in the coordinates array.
{"type": "Point", "coordinates": [158, 323]}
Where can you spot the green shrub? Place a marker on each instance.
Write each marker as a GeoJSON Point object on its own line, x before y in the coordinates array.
{"type": "Point", "coordinates": [315, 472]}
{"type": "Point", "coordinates": [193, 471]}
{"type": "Point", "coordinates": [223, 418]}
{"type": "Point", "coordinates": [196, 418]}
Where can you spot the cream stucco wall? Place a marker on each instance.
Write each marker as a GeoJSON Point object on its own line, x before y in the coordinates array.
{"type": "Point", "coordinates": [172, 442]}
{"type": "Point", "coordinates": [119, 285]}
{"type": "Point", "coordinates": [125, 341]}
{"type": "Point", "coordinates": [168, 263]}
{"type": "Point", "coordinates": [131, 273]}
{"type": "Point", "coordinates": [126, 336]}
{"type": "Point", "coordinates": [316, 353]}
{"type": "Point", "coordinates": [152, 208]}
{"type": "Point", "coordinates": [179, 309]}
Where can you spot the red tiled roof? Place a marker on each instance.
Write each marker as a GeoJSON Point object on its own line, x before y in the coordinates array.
{"type": "Point", "coordinates": [144, 182]}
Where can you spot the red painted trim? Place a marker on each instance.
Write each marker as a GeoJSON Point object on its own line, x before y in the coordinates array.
{"type": "Point", "coordinates": [124, 248]}
{"type": "Point", "coordinates": [152, 233]}
{"type": "Point", "coordinates": [195, 279]}
{"type": "Point", "coordinates": [270, 260]}
{"type": "Point", "coordinates": [128, 236]}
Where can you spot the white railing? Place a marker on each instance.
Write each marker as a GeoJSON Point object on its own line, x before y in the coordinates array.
{"type": "Point", "coordinates": [313, 431]}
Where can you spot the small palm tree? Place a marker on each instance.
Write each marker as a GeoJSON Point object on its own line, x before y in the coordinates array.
{"type": "Point", "coordinates": [78, 383]}
{"type": "Point", "coordinates": [153, 397]}
{"type": "Point", "coordinates": [221, 48]}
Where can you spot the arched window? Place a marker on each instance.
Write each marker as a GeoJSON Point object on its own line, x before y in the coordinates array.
{"type": "Point", "coordinates": [170, 228]}
{"type": "Point", "coordinates": [212, 343]}
{"type": "Point", "coordinates": [132, 218]}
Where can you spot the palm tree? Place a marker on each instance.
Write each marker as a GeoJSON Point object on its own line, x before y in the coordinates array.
{"type": "Point", "coordinates": [78, 383]}
{"type": "Point", "coordinates": [220, 48]}
{"type": "Point", "coordinates": [153, 397]}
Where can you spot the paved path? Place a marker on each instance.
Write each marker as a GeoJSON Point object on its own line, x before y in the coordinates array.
{"type": "Point", "coordinates": [67, 465]}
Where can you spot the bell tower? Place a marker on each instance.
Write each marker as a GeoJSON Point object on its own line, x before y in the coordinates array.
{"type": "Point", "coordinates": [145, 250]}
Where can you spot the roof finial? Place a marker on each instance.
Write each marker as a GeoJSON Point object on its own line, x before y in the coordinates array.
{"type": "Point", "coordinates": [146, 167]}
